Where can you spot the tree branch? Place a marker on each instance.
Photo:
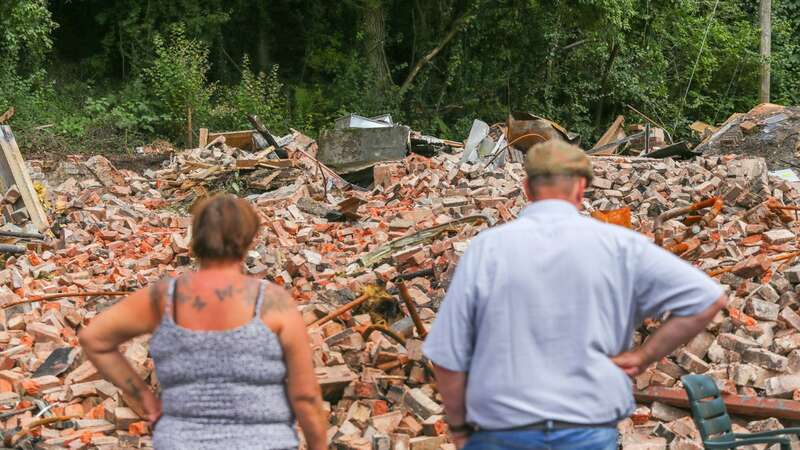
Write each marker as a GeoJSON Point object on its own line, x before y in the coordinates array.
{"type": "Point", "coordinates": [458, 24]}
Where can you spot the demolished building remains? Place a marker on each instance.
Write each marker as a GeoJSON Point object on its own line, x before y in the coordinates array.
{"type": "Point", "coordinates": [369, 268]}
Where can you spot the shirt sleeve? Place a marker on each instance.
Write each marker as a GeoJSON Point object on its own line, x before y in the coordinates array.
{"type": "Point", "coordinates": [450, 342]}
{"type": "Point", "coordinates": [666, 283]}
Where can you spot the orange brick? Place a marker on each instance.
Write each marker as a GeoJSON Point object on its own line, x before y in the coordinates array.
{"type": "Point", "coordinates": [74, 410]}
{"type": "Point", "coordinates": [30, 387]}
{"type": "Point", "coordinates": [138, 428]}
{"type": "Point", "coordinates": [98, 412]}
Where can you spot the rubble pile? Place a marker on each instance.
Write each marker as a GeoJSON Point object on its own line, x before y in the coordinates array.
{"type": "Point", "coordinates": [369, 268]}
{"type": "Point", "coordinates": [749, 242]}
{"type": "Point", "coordinates": [768, 130]}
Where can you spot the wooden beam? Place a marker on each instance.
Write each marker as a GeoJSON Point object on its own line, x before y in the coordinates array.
{"type": "Point", "coordinates": [238, 139]}
{"type": "Point", "coordinates": [14, 165]}
{"type": "Point", "coordinates": [203, 139]}
{"type": "Point", "coordinates": [736, 404]}
{"type": "Point", "coordinates": [610, 135]}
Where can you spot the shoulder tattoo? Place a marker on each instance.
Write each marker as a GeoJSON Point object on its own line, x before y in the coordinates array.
{"type": "Point", "coordinates": [133, 390]}
{"type": "Point", "coordinates": [276, 299]}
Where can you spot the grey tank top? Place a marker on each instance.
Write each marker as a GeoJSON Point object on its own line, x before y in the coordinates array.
{"type": "Point", "coordinates": [221, 389]}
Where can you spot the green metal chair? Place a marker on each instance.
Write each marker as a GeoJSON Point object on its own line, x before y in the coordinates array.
{"type": "Point", "coordinates": [714, 423]}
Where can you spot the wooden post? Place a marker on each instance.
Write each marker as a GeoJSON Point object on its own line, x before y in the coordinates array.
{"type": "Point", "coordinates": [189, 127]}
{"type": "Point", "coordinates": [203, 139]}
{"type": "Point", "coordinates": [766, 44]}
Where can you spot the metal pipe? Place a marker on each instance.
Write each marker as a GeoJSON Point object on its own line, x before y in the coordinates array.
{"type": "Point", "coordinates": [715, 203]}
{"type": "Point", "coordinates": [21, 235]}
{"type": "Point", "coordinates": [341, 310]}
{"type": "Point", "coordinates": [368, 331]}
{"type": "Point", "coordinates": [369, 292]}
{"type": "Point", "coordinates": [412, 309]}
{"type": "Point", "coordinates": [12, 249]}
{"type": "Point", "coordinates": [49, 297]}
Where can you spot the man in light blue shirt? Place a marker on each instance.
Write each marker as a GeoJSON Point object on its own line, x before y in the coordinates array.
{"type": "Point", "coordinates": [531, 344]}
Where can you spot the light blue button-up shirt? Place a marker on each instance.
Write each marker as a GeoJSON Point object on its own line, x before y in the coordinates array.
{"type": "Point", "coordinates": [538, 306]}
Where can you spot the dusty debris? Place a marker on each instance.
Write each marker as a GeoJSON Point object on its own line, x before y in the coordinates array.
{"type": "Point", "coordinates": [369, 267]}
{"type": "Point", "coordinates": [358, 143]}
{"type": "Point", "coordinates": [614, 133]}
{"type": "Point", "coordinates": [353, 149]}
{"type": "Point", "coordinates": [526, 129]}
{"type": "Point", "coordinates": [768, 130]}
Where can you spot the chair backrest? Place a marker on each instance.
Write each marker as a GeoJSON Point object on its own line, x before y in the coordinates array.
{"type": "Point", "coordinates": [708, 409]}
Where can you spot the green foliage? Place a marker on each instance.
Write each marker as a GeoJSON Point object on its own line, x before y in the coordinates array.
{"type": "Point", "coordinates": [178, 77]}
{"type": "Point", "coordinates": [128, 113]}
{"type": "Point", "coordinates": [131, 25]}
{"type": "Point", "coordinates": [31, 95]}
{"type": "Point", "coordinates": [579, 63]}
{"type": "Point", "coordinates": [25, 32]}
{"type": "Point", "coordinates": [25, 39]}
{"type": "Point", "coordinates": [261, 94]}
{"type": "Point", "coordinates": [786, 54]}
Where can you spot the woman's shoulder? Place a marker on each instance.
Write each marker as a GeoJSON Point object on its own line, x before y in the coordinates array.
{"type": "Point", "coordinates": [276, 298]}
{"type": "Point", "coordinates": [158, 292]}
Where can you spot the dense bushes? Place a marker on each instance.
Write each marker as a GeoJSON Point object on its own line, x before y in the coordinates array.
{"type": "Point", "coordinates": [112, 74]}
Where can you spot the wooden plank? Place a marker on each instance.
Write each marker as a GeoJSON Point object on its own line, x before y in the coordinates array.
{"type": "Point", "coordinates": [264, 163]}
{"type": "Point", "coordinates": [21, 177]}
{"type": "Point", "coordinates": [276, 163]}
{"type": "Point", "coordinates": [203, 139]}
{"type": "Point", "coordinates": [610, 135]}
{"type": "Point", "coordinates": [246, 163]}
{"type": "Point", "coordinates": [239, 139]}
{"type": "Point", "coordinates": [736, 404]}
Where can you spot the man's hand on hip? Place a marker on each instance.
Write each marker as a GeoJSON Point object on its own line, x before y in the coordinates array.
{"type": "Point", "coordinates": [632, 363]}
{"type": "Point", "coordinates": [673, 333]}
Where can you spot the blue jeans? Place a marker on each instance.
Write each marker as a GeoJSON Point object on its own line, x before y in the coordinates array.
{"type": "Point", "coordinates": [564, 439]}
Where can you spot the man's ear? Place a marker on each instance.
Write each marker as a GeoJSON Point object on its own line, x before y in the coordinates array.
{"type": "Point", "coordinates": [526, 186]}
{"type": "Point", "coordinates": [580, 189]}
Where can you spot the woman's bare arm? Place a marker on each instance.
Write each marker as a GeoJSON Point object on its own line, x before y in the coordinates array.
{"type": "Point", "coordinates": [135, 315]}
{"type": "Point", "coordinates": [303, 389]}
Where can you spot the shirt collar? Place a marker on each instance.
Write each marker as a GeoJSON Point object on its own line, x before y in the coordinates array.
{"type": "Point", "coordinates": [549, 208]}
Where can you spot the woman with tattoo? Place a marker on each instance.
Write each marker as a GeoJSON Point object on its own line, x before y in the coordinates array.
{"type": "Point", "coordinates": [231, 352]}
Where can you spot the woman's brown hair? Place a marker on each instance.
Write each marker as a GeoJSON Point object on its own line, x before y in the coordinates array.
{"type": "Point", "coordinates": [223, 228]}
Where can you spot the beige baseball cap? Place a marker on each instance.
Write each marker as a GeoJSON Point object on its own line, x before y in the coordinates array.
{"type": "Point", "coordinates": [556, 157]}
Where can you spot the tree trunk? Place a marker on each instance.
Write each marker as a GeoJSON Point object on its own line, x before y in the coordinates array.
{"type": "Point", "coordinates": [375, 36]}
{"type": "Point", "coordinates": [263, 49]}
{"type": "Point", "coordinates": [262, 52]}
{"type": "Point", "coordinates": [189, 127]}
{"type": "Point", "coordinates": [604, 85]}
{"type": "Point", "coordinates": [457, 26]}
{"type": "Point", "coordinates": [765, 49]}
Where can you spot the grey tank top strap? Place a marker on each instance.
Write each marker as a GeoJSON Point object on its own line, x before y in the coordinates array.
{"type": "Point", "coordinates": [260, 301]}
{"type": "Point", "coordinates": [169, 304]}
